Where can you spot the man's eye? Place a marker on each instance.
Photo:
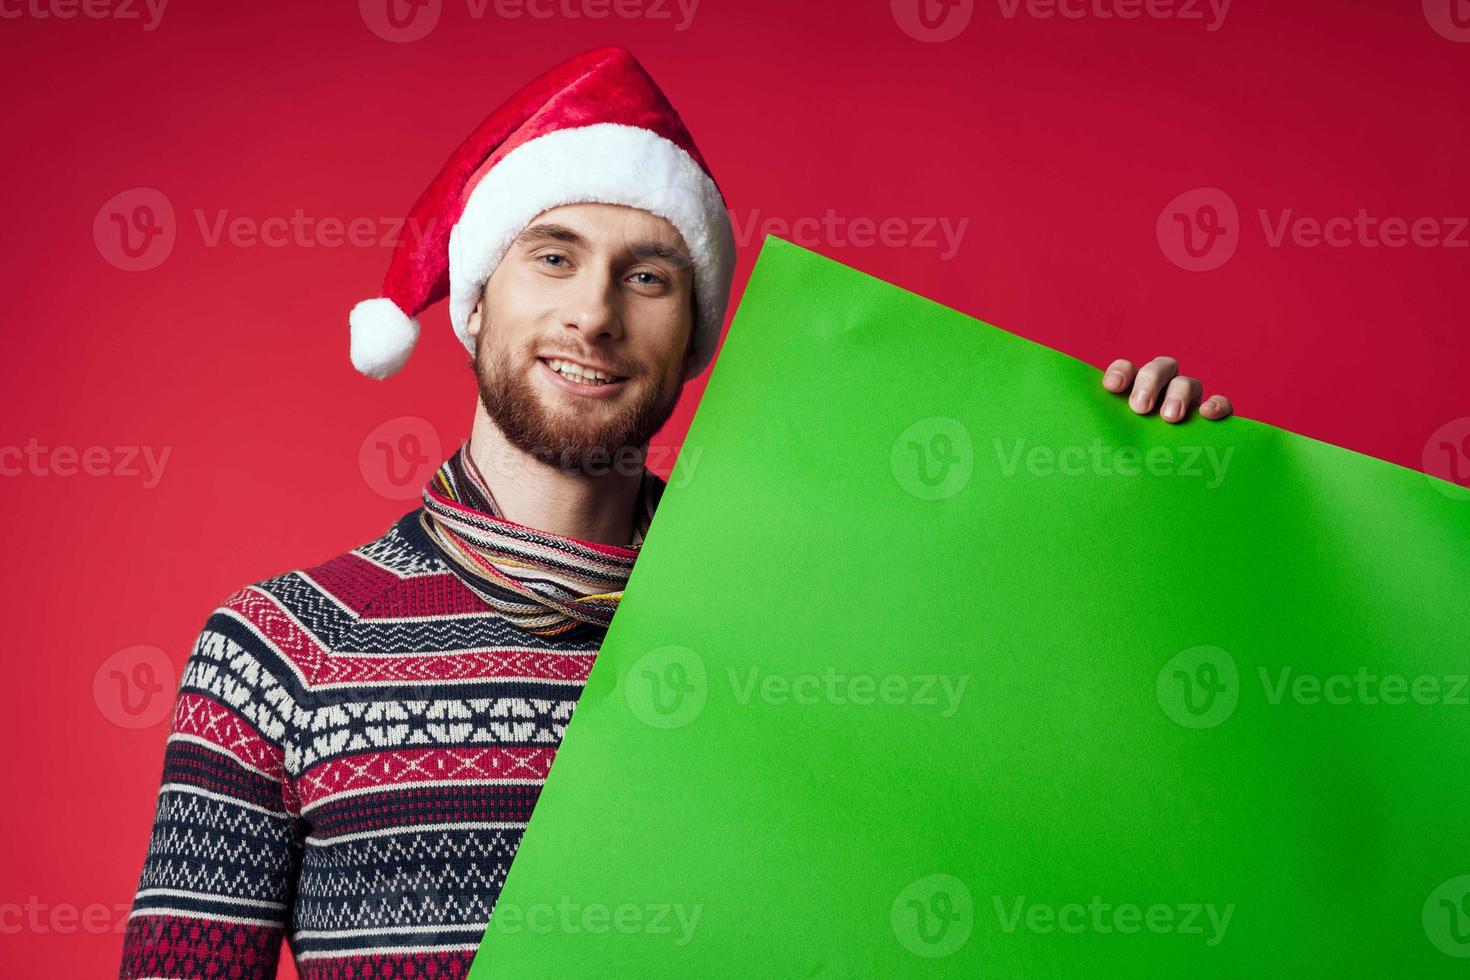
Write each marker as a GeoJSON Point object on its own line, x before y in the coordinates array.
{"type": "Point", "coordinates": [649, 280]}
{"type": "Point", "coordinates": [559, 259]}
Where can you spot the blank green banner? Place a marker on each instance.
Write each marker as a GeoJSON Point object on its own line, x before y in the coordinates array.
{"type": "Point", "coordinates": [939, 661]}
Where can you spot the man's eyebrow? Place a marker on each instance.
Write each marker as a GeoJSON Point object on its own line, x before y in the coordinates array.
{"type": "Point", "coordinates": [535, 234]}
{"type": "Point", "coordinates": [549, 232]}
{"type": "Point", "coordinates": [658, 250]}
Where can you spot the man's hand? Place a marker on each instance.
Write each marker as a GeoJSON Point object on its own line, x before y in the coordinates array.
{"type": "Point", "coordinates": [1159, 383]}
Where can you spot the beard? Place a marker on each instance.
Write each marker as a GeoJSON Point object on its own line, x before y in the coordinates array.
{"type": "Point", "coordinates": [586, 441]}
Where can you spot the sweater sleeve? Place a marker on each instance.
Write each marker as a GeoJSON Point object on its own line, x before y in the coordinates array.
{"type": "Point", "coordinates": [219, 876]}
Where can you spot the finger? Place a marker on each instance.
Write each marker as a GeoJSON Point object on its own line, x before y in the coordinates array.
{"type": "Point", "coordinates": [1150, 381]}
{"type": "Point", "coordinates": [1181, 395]}
{"type": "Point", "coordinates": [1216, 407]}
{"type": "Point", "coordinates": [1119, 376]}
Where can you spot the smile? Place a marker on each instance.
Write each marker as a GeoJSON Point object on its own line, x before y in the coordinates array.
{"type": "Point", "coordinates": [581, 381]}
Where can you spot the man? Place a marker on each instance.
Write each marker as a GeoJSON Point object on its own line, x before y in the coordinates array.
{"type": "Point", "coordinates": [357, 747]}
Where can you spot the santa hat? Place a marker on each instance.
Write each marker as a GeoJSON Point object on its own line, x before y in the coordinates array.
{"type": "Point", "coordinates": [595, 129]}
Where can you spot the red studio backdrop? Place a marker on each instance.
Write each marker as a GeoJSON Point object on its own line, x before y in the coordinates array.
{"type": "Point", "coordinates": [197, 193]}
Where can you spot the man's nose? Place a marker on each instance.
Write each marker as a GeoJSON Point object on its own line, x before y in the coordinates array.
{"type": "Point", "coordinates": [592, 306]}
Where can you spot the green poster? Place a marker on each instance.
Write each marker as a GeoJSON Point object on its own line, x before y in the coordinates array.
{"type": "Point", "coordinates": [939, 661]}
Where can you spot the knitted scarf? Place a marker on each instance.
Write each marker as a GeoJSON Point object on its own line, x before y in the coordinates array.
{"type": "Point", "coordinates": [544, 583]}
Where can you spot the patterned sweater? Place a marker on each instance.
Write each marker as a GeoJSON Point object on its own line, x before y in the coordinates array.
{"type": "Point", "coordinates": [355, 751]}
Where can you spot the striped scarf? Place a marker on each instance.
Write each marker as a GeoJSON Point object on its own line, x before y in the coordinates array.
{"type": "Point", "coordinates": [544, 583]}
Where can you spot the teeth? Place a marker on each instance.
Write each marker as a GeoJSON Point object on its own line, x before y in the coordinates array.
{"type": "Point", "coordinates": [575, 372]}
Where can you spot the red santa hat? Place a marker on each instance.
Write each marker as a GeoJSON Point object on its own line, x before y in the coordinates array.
{"type": "Point", "coordinates": [595, 129]}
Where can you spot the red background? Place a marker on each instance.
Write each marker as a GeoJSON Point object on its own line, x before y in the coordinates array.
{"type": "Point", "coordinates": [1061, 140]}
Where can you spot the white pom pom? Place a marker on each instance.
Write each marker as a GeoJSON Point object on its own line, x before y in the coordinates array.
{"type": "Point", "coordinates": [382, 337]}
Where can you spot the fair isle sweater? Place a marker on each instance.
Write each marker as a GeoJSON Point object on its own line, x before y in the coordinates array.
{"type": "Point", "coordinates": [355, 751]}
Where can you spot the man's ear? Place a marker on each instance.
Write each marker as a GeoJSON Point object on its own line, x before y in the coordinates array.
{"type": "Point", "coordinates": [688, 371]}
{"type": "Point", "coordinates": [477, 317]}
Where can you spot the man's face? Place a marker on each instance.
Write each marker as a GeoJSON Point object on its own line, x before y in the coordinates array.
{"type": "Point", "coordinates": [603, 286]}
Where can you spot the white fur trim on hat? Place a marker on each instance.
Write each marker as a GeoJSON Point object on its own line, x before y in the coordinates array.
{"type": "Point", "coordinates": [608, 163]}
{"type": "Point", "coordinates": [382, 337]}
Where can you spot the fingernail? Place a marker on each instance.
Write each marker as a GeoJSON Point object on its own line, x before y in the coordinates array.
{"type": "Point", "coordinates": [1172, 409]}
{"type": "Point", "coordinates": [1140, 398]}
{"type": "Point", "coordinates": [1112, 379]}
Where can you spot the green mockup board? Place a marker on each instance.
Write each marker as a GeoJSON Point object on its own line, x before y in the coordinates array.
{"type": "Point", "coordinates": [939, 661]}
